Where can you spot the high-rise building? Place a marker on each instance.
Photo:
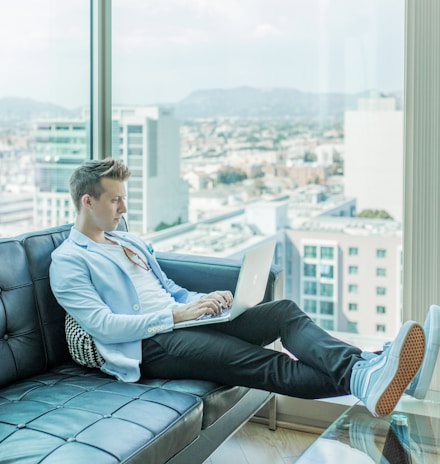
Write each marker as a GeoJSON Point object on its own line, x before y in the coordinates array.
{"type": "Point", "coordinates": [149, 145]}
{"type": "Point", "coordinates": [374, 155]}
{"type": "Point", "coordinates": [58, 147]}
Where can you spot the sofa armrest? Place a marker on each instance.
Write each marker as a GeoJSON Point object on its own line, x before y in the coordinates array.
{"type": "Point", "coordinates": [207, 274]}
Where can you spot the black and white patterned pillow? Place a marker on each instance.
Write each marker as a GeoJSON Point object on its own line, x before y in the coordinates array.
{"type": "Point", "coordinates": [81, 346]}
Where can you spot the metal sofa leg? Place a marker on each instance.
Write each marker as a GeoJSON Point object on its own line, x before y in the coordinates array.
{"type": "Point", "coordinates": [273, 413]}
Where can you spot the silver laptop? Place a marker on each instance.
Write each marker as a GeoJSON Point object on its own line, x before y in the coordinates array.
{"type": "Point", "coordinates": [251, 285]}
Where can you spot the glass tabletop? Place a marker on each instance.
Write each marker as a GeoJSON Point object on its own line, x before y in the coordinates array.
{"type": "Point", "coordinates": [410, 435]}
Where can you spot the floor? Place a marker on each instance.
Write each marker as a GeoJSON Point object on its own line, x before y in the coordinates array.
{"type": "Point", "coordinates": [255, 444]}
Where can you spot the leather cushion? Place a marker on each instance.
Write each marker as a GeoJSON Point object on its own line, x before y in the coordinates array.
{"type": "Point", "coordinates": [74, 413]}
{"type": "Point", "coordinates": [217, 399]}
{"type": "Point", "coordinates": [21, 342]}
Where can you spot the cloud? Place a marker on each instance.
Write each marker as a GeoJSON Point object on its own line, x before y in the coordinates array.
{"type": "Point", "coordinates": [266, 30]}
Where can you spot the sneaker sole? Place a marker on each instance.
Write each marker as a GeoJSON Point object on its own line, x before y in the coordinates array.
{"type": "Point", "coordinates": [428, 364]}
{"type": "Point", "coordinates": [410, 359]}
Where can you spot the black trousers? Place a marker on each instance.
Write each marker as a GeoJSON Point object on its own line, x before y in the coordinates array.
{"type": "Point", "coordinates": [233, 353]}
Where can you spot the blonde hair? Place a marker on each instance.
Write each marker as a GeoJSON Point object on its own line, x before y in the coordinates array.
{"type": "Point", "coordinates": [86, 179]}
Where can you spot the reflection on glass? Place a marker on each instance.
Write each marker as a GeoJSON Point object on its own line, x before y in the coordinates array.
{"type": "Point", "coordinates": [357, 436]}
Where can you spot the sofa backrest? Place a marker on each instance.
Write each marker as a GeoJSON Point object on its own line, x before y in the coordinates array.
{"type": "Point", "coordinates": [38, 247]}
{"type": "Point", "coordinates": [22, 350]}
{"type": "Point", "coordinates": [32, 337]}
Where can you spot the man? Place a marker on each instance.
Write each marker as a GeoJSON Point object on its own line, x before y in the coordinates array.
{"type": "Point", "coordinates": [112, 285]}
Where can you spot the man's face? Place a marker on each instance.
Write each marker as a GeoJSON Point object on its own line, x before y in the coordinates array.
{"type": "Point", "coordinates": [106, 211]}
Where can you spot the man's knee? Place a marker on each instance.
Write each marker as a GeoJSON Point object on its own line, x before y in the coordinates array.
{"type": "Point", "coordinates": [289, 304]}
{"type": "Point", "coordinates": [289, 307]}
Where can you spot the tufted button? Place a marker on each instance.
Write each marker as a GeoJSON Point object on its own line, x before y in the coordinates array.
{"type": "Point", "coordinates": [21, 426]}
{"type": "Point", "coordinates": [6, 337]}
{"type": "Point", "coordinates": [107, 416]}
{"type": "Point", "coordinates": [136, 307]}
{"type": "Point", "coordinates": [70, 439]}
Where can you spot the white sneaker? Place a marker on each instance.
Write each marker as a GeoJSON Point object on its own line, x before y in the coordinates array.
{"type": "Point", "coordinates": [420, 384]}
{"type": "Point", "coordinates": [380, 380]}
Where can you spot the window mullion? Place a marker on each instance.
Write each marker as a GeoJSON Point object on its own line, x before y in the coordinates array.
{"type": "Point", "coordinates": [101, 70]}
{"type": "Point", "coordinates": [421, 270]}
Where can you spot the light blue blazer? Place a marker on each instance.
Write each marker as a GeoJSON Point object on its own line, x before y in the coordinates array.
{"type": "Point", "coordinates": [91, 286]}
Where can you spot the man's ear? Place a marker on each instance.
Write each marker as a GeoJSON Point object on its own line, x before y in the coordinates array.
{"type": "Point", "coordinates": [86, 201]}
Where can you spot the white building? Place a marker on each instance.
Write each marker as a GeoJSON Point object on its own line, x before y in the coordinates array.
{"type": "Point", "coordinates": [52, 209]}
{"type": "Point", "coordinates": [374, 156]}
{"type": "Point", "coordinates": [344, 271]}
{"type": "Point", "coordinates": [16, 212]}
{"type": "Point", "coordinates": [149, 145]}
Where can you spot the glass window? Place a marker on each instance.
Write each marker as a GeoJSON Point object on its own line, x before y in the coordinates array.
{"type": "Point", "coordinates": [352, 327]}
{"type": "Point", "coordinates": [327, 252]}
{"type": "Point", "coordinates": [352, 306]}
{"type": "Point", "coordinates": [134, 129]}
{"type": "Point", "coordinates": [381, 272]}
{"type": "Point", "coordinates": [381, 291]}
{"type": "Point", "coordinates": [310, 251]}
{"type": "Point", "coordinates": [327, 324]}
{"type": "Point", "coordinates": [353, 288]}
{"type": "Point", "coordinates": [327, 271]}
{"type": "Point", "coordinates": [310, 306]}
{"type": "Point", "coordinates": [309, 270]}
{"type": "Point", "coordinates": [327, 307]}
{"type": "Point", "coordinates": [353, 269]}
{"type": "Point", "coordinates": [310, 288]}
{"type": "Point", "coordinates": [353, 251]}
{"type": "Point", "coordinates": [380, 310]}
{"type": "Point", "coordinates": [380, 253]}
{"type": "Point", "coordinates": [380, 328]}
{"type": "Point", "coordinates": [326, 290]}
{"type": "Point", "coordinates": [44, 99]}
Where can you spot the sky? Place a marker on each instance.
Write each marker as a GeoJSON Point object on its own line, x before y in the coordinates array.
{"type": "Point", "coordinates": [164, 50]}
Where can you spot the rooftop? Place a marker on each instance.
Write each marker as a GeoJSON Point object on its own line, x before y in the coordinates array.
{"type": "Point", "coordinates": [229, 234]}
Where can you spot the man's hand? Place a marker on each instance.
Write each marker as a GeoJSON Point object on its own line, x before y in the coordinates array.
{"type": "Point", "coordinates": [213, 303]}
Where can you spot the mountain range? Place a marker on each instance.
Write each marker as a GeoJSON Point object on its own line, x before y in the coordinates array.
{"type": "Point", "coordinates": [15, 108]}
{"type": "Point", "coordinates": [270, 103]}
{"type": "Point", "coordinates": [243, 102]}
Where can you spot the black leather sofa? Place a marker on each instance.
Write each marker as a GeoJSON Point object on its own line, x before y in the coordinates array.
{"type": "Point", "coordinates": [54, 411]}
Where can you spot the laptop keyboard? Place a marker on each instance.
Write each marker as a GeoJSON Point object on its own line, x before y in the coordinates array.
{"type": "Point", "coordinates": [224, 313]}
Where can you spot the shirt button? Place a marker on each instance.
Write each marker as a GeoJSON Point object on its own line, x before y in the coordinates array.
{"type": "Point", "coordinates": [136, 307]}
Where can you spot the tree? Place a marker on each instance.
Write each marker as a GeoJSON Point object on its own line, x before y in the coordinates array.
{"type": "Point", "coordinates": [310, 157]}
{"type": "Point", "coordinates": [230, 175]}
{"type": "Point", "coordinates": [163, 225]}
{"type": "Point", "coordinates": [375, 214]}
